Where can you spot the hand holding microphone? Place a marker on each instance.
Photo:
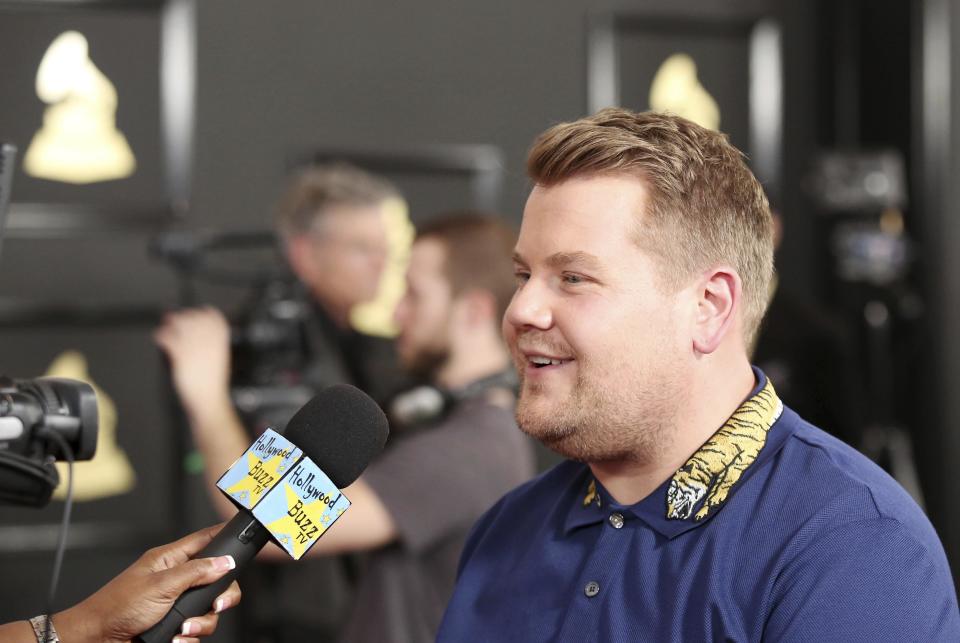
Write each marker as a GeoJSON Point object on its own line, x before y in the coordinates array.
{"type": "Point", "coordinates": [153, 582]}
{"type": "Point", "coordinates": [139, 597]}
{"type": "Point", "coordinates": [338, 433]}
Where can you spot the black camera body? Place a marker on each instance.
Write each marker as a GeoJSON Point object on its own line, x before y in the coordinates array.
{"type": "Point", "coordinates": [270, 352]}
{"type": "Point", "coordinates": [40, 419]}
{"type": "Point", "coordinates": [270, 337]}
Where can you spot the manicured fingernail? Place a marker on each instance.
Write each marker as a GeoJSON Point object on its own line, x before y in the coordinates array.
{"type": "Point", "coordinates": [223, 563]}
{"type": "Point", "coordinates": [220, 605]}
{"type": "Point", "coordinates": [189, 627]}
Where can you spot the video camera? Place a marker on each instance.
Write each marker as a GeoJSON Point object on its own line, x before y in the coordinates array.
{"type": "Point", "coordinates": [41, 420]}
{"type": "Point", "coordinates": [269, 344]}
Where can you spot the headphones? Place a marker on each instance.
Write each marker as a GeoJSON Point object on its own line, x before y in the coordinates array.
{"type": "Point", "coordinates": [425, 404]}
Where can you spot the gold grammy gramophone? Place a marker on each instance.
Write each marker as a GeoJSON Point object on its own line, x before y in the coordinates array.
{"type": "Point", "coordinates": [79, 141]}
{"type": "Point", "coordinates": [676, 88]}
{"type": "Point", "coordinates": [109, 473]}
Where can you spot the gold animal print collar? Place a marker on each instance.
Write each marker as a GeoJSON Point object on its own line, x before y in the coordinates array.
{"type": "Point", "coordinates": [593, 496]}
{"type": "Point", "coordinates": [716, 467]}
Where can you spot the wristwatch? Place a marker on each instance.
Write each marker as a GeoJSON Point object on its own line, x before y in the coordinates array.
{"type": "Point", "coordinates": [40, 628]}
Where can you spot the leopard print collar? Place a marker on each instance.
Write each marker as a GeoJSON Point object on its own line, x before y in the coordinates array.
{"type": "Point", "coordinates": [716, 467]}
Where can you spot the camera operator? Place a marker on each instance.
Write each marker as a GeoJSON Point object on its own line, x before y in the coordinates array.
{"type": "Point", "coordinates": [138, 598]}
{"type": "Point", "coordinates": [331, 222]}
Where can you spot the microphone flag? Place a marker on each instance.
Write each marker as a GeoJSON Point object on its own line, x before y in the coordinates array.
{"type": "Point", "coordinates": [286, 492]}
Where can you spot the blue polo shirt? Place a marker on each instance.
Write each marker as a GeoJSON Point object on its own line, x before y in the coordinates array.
{"type": "Point", "coordinates": [772, 531]}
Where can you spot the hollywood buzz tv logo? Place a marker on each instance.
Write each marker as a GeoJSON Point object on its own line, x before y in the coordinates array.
{"type": "Point", "coordinates": [259, 469]}
{"type": "Point", "coordinates": [303, 507]}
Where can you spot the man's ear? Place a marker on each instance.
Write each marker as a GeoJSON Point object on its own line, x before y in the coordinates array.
{"type": "Point", "coordinates": [299, 249]}
{"type": "Point", "coordinates": [476, 307]}
{"type": "Point", "coordinates": [718, 298]}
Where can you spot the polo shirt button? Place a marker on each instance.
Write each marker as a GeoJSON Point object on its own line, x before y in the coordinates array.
{"type": "Point", "coordinates": [592, 589]}
{"type": "Point", "coordinates": [616, 520]}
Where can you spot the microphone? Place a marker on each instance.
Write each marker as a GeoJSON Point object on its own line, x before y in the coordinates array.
{"type": "Point", "coordinates": [283, 496]}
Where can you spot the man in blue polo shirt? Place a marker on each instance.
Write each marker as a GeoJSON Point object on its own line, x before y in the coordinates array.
{"type": "Point", "coordinates": [643, 266]}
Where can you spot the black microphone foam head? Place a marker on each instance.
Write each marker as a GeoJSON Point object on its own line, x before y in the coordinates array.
{"type": "Point", "coordinates": [341, 429]}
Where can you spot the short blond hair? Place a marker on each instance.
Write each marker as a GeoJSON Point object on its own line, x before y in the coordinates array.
{"type": "Point", "coordinates": [317, 189]}
{"type": "Point", "coordinates": [705, 206]}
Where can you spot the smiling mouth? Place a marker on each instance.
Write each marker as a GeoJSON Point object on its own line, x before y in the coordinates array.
{"type": "Point", "coordinates": [538, 361]}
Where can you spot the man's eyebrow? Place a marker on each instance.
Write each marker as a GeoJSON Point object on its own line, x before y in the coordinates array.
{"type": "Point", "coordinates": [581, 259]}
{"type": "Point", "coordinates": [564, 259]}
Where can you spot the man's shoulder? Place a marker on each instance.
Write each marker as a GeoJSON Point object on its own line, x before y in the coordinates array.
{"type": "Point", "coordinates": [543, 493]}
{"type": "Point", "coordinates": [478, 412]}
{"type": "Point", "coordinates": [825, 482]}
{"type": "Point", "coordinates": [475, 443]}
{"type": "Point", "coordinates": [853, 552]}
{"type": "Point", "coordinates": [477, 421]}
{"type": "Point", "coordinates": [470, 430]}
{"type": "Point", "coordinates": [833, 467]}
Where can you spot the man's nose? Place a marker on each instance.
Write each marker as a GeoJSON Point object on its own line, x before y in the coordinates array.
{"type": "Point", "coordinates": [530, 306]}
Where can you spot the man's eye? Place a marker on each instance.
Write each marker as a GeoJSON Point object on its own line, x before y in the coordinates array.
{"type": "Point", "coordinates": [573, 279]}
{"type": "Point", "coordinates": [521, 277]}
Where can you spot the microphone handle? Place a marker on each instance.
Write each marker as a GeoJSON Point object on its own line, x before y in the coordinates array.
{"type": "Point", "coordinates": [241, 538]}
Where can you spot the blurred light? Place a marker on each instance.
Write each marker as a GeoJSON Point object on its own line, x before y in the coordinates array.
{"type": "Point", "coordinates": [677, 89]}
{"type": "Point", "coordinates": [178, 80]}
{"type": "Point", "coordinates": [79, 141]}
{"type": "Point", "coordinates": [766, 103]}
{"type": "Point", "coordinates": [603, 69]}
{"type": "Point", "coordinates": [876, 184]}
{"type": "Point", "coordinates": [891, 222]}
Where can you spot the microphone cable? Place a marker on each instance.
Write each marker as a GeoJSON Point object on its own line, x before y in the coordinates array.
{"type": "Point", "coordinates": [67, 453]}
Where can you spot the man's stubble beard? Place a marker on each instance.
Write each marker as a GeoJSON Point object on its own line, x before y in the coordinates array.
{"type": "Point", "coordinates": [427, 362]}
{"type": "Point", "coordinates": [598, 423]}
{"type": "Point", "coordinates": [427, 359]}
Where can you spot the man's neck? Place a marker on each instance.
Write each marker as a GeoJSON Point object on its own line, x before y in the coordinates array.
{"type": "Point", "coordinates": [339, 316]}
{"type": "Point", "coordinates": [466, 366]}
{"type": "Point", "coordinates": [717, 397]}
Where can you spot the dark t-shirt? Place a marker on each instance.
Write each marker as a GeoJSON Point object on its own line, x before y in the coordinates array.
{"type": "Point", "coordinates": [337, 355]}
{"type": "Point", "coordinates": [435, 483]}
